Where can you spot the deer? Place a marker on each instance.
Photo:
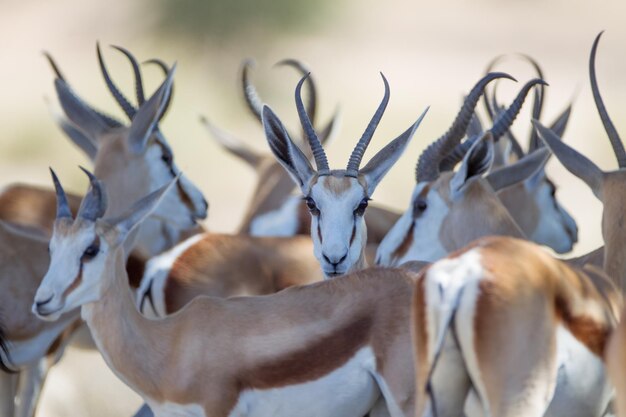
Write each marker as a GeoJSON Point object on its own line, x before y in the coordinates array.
{"type": "Point", "coordinates": [274, 211]}
{"type": "Point", "coordinates": [129, 159]}
{"type": "Point", "coordinates": [348, 337]}
{"type": "Point", "coordinates": [474, 313]}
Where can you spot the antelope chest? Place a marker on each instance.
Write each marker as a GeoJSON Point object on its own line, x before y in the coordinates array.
{"type": "Point", "coordinates": [347, 391]}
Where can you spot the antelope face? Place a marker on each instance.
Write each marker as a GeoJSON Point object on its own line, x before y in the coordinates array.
{"type": "Point", "coordinates": [337, 204]}
{"type": "Point", "coordinates": [337, 199]}
{"type": "Point", "coordinates": [76, 260]}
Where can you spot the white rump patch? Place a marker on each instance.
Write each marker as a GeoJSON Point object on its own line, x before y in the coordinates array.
{"type": "Point", "coordinates": [347, 391]}
{"type": "Point", "coordinates": [156, 273]}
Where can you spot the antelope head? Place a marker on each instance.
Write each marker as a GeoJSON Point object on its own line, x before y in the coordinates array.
{"type": "Point", "coordinates": [450, 209]}
{"type": "Point", "coordinates": [607, 186]}
{"type": "Point", "coordinates": [273, 190]}
{"type": "Point", "coordinates": [533, 203]}
{"type": "Point", "coordinates": [81, 249]}
{"type": "Point", "coordinates": [337, 199]}
{"type": "Point", "coordinates": [136, 159]}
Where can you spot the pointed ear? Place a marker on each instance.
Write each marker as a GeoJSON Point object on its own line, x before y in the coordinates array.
{"type": "Point", "coordinates": [79, 112]}
{"type": "Point", "coordinates": [573, 161]}
{"type": "Point", "coordinates": [559, 125]}
{"type": "Point", "coordinates": [133, 217]}
{"type": "Point", "coordinates": [476, 162]}
{"type": "Point", "coordinates": [382, 162]}
{"type": "Point", "coordinates": [148, 115]}
{"type": "Point", "coordinates": [287, 153]}
{"type": "Point", "coordinates": [233, 145]}
{"type": "Point", "coordinates": [522, 170]}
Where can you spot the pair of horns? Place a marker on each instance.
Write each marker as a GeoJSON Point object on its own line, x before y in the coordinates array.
{"type": "Point", "coordinates": [428, 163]}
{"type": "Point", "coordinates": [92, 207]}
{"type": "Point", "coordinates": [119, 97]}
{"type": "Point", "coordinates": [321, 161]}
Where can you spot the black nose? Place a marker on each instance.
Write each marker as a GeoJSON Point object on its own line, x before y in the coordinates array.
{"type": "Point", "coordinates": [43, 303]}
{"type": "Point", "coordinates": [334, 260]}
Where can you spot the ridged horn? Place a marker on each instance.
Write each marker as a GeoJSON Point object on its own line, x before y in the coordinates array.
{"type": "Point", "coordinates": [94, 203]}
{"type": "Point", "coordinates": [119, 97]}
{"type": "Point", "coordinates": [321, 162]}
{"type": "Point", "coordinates": [501, 126]}
{"type": "Point", "coordinates": [139, 94]}
{"type": "Point", "coordinates": [427, 168]}
{"type": "Point", "coordinates": [63, 207]}
{"type": "Point", "coordinates": [611, 131]}
{"type": "Point", "coordinates": [361, 146]}
{"type": "Point", "coordinates": [166, 70]}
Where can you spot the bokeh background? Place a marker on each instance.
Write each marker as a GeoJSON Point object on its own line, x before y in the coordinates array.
{"type": "Point", "coordinates": [431, 52]}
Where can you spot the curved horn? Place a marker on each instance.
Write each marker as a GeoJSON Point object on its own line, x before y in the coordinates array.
{"type": "Point", "coordinates": [500, 127]}
{"type": "Point", "coordinates": [128, 108]}
{"type": "Point", "coordinates": [311, 105]}
{"type": "Point", "coordinates": [616, 142]}
{"type": "Point", "coordinates": [63, 207]}
{"type": "Point", "coordinates": [359, 150]}
{"type": "Point", "coordinates": [54, 66]}
{"type": "Point", "coordinates": [166, 71]}
{"type": "Point", "coordinates": [250, 93]}
{"type": "Point", "coordinates": [321, 162]}
{"type": "Point", "coordinates": [94, 203]}
{"type": "Point", "coordinates": [428, 163]}
{"type": "Point", "coordinates": [137, 73]}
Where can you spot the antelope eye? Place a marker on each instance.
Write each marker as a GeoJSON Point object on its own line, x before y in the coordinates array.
{"type": "Point", "coordinates": [420, 206]}
{"type": "Point", "coordinates": [91, 252]}
{"type": "Point", "coordinates": [310, 203]}
{"type": "Point", "coordinates": [360, 210]}
{"type": "Point", "coordinates": [167, 158]}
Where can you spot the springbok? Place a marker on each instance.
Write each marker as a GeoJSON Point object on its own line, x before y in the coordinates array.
{"type": "Point", "coordinates": [616, 366]}
{"type": "Point", "coordinates": [606, 186]}
{"type": "Point", "coordinates": [131, 160]}
{"type": "Point", "coordinates": [533, 203]}
{"type": "Point", "coordinates": [474, 314]}
{"type": "Point", "coordinates": [346, 341]}
{"type": "Point", "coordinates": [337, 199]}
{"type": "Point", "coordinates": [447, 209]}
{"type": "Point", "coordinates": [274, 211]}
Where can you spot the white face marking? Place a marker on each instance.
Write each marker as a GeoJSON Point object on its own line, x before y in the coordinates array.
{"type": "Point", "coordinates": [555, 227]}
{"type": "Point", "coordinates": [418, 226]}
{"type": "Point", "coordinates": [155, 278]}
{"type": "Point", "coordinates": [73, 276]}
{"type": "Point", "coordinates": [176, 410]}
{"type": "Point", "coordinates": [281, 222]}
{"type": "Point", "coordinates": [347, 391]}
{"type": "Point", "coordinates": [339, 234]}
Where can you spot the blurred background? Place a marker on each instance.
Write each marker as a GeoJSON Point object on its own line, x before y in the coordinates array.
{"type": "Point", "coordinates": [431, 53]}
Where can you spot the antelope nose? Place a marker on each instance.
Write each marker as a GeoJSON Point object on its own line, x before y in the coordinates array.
{"type": "Point", "coordinates": [39, 304]}
{"type": "Point", "coordinates": [334, 260]}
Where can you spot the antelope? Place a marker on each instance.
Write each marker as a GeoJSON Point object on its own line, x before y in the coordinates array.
{"type": "Point", "coordinates": [474, 313]}
{"type": "Point", "coordinates": [130, 162]}
{"type": "Point", "coordinates": [533, 203]}
{"type": "Point", "coordinates": [346, 341]}
{"type": "Point", "coordinates": [274, 211]}
{"type": "Point", "coordinates": [447, 209]}
{"type": "Point", "coordinates": [616, 364]}
{"type": "Point", "coordinates": [605, 185]}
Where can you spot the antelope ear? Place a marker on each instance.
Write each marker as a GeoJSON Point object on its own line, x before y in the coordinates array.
{"type": "Point", "coordinates": [143, 208]}
{"type": "Point", "coordinates": [573, 161]}
{"type": "Point", "coordinates": [148, 115]}
{"type": "Point", "coordinates": [233, 145]}
{"type": "Point", "coordinates": [286, 152]}
{"type": "Point", "coordinates": [79, 112]}
{"type": "Point", "coordinates": [526, 169]}
{"type": "Point", "coordinates": [382, 162]}
{"type": "Point", "coordinates": [476, 162]}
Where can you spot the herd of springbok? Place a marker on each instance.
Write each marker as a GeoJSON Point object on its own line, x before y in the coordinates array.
{"type": "Point", "coordinates": [463, 314]}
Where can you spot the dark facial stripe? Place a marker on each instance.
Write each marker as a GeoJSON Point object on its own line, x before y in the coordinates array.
{"type": "Point", "coordinates": [76, 281]}
{"type": "Point", "coordinates": [405, 245]}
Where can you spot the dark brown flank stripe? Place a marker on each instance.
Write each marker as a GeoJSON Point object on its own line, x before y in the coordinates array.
{"type": "Point", "coordinates": [588, 331]}
{"type": "Point", "coordinates": [312, 362]}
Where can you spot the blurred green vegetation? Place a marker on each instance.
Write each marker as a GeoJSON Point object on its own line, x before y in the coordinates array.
{"type": "Point", "coordinates": [235, 19]}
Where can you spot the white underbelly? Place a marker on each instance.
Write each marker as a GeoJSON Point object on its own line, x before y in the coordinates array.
{"type": "Point", "coordinates": [349, 391]}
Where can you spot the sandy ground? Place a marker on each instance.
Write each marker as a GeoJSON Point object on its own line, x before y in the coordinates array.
{"type": "Point", "coordinates": [431, 52]}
